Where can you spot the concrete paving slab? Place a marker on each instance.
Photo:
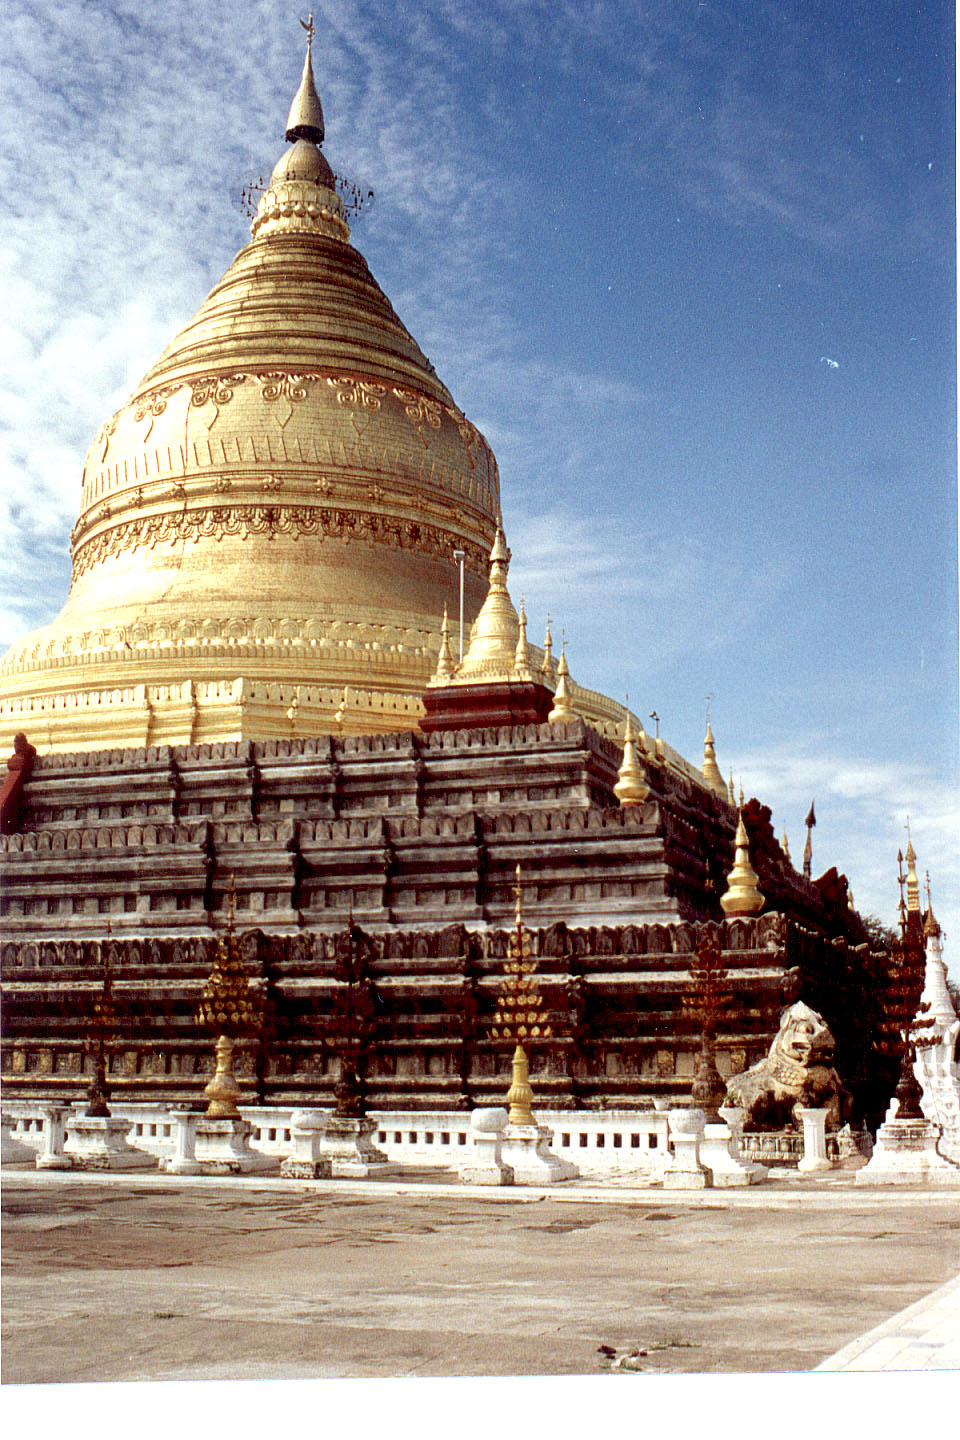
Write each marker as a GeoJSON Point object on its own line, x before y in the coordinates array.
{"type": "Point", "coordinates": [146, 1278]}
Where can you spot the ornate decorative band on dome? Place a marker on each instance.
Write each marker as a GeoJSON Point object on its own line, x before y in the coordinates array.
{"type": "Point", "coordinates": [218, 388]}
{"type": "Point", "coordinates": [216, 522]}
{"type": "Point", "coordinates": [301, 206]}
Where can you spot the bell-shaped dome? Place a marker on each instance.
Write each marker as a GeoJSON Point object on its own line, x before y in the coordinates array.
{"type": "Point", "coordinates": [273, 513]}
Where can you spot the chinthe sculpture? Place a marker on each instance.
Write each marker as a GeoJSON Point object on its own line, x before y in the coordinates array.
{"type": "Point", "coordinates": [796, 1073]}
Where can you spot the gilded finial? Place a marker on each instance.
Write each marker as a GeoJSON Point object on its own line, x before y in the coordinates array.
{"type": "Point", "coordinates": [711, 770]}
{"type": "Point", "coordinates": [563, 710]}
{"type": "Point", "coordinates": [784, 846]}
{"type": "Point", "coordinates": [730, 790]}
{"type": "Point", "coordinates": [631, 787]}
{"type": "Point", "coordinates": [548, 670]}
{"type": "Point", "coordinates": [913, 883]}
{"type": "Point", "coordinates": [518, 897]}
{"type": "Point", "coordinates": [742, 895]}
{"type": "Point", "coordinates": [445, 666]}
{"type": "Point", "coordinates": [521, 659]}
{"type": "Point", "coordinates": [305, 121]}
{"type": "Point", "coordinates": [492, 651]}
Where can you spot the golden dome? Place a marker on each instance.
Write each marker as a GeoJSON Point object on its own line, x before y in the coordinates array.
{"type": "Point", "coordinates": [273, 512]}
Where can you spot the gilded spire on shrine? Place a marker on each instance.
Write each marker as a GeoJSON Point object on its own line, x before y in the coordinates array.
{"type": "Point", "coordinates": [445, 666]}
{"type": "Point", "coordinates": [711, 771]}
{"type": "Point", "coordinates": [913, 883]}
{"type": "Point", "coordinates": [492, 651]}
{"type": "Point", "coordinates": [631, 787]}
{"type": "Point", "coordinates": [302, 194]}
{"type": "Point", "coordinates": [548, 670]}
{"type": "Point", "coordinates": [522, 662]}
{"type": "Point", "coordinates": [305, 121]}
{"type": "Point", "coordinates": [563, 696]}
{"type": "Point", "coordinates": [742, 895]}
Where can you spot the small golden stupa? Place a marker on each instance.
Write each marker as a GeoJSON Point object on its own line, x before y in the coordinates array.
{"type": "Point", "coordinates": [273, 512]}
{"type": "Point", "coordinates": [742, 895]}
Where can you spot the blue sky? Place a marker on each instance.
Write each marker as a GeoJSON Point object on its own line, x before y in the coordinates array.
{"type": "Point", "coordinates": [689, 266]}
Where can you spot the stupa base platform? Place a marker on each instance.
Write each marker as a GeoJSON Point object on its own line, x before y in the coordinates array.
{"type": "Point", "coordinates": [347, 1148]}
{"type": "Point", "coordinates": [99, 1142]}
{"type": "Point", "coordinates": [525, 1149]}
{"type": "Point", "coordinates": [223, 1148]}
{"type": "Point", "coordinates": [906, 1154]}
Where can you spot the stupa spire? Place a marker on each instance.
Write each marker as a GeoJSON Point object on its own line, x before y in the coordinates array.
{"type": "Point", "coordinates": [562, 699]}
{"type": "Point", "coordinates": [711, 770]}
{"type": "Point", "coordinates": [521, 660]}
{"type": "Point", "coordinates": [742, 896]}
{"type": "Point", "coordinates": [631, 787]}
{"type": "Point", "coordinates": [913, 883]}
{"type": "Point", "coordinates": [445, 666]}
{"type": "Point", "coordinates": [492, 651]}
{"type": "Point", "coordinates": [305, 121]}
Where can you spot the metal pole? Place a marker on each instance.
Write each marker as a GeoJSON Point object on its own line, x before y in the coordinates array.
{"type": "Point", "coordinates": [460, 556]}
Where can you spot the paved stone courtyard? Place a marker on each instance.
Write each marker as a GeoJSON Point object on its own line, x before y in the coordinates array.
{"type": "Point", "coordinates": [121, 1278]}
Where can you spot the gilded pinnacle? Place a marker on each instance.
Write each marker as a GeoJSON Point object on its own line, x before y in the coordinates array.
{"type": "Point", "coordinates": [631, 787]}
{"type": "Point", "coordinates": [495, 637]}
{"type": "Point", "coordinates": [305, 121]}
{"type": "Point", "coordinates": [445, 666]}
{"type": "Point", "coordinates": [563, 699]}
{"type": "Point", "coordinates": [522, 661]}
{"type": "Point", "coordinates": [711, 771]}
{"type": "Point", "coordinates": [742, 896]}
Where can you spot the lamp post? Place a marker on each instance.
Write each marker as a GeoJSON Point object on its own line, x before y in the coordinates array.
{"type": "Point", "coordinates": [460, 556]}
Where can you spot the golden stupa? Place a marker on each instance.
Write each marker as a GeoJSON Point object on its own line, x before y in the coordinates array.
{"type": "Point", "coordinates": [271, 527]}
{"type": "Point", "coordinates": [273, 514]}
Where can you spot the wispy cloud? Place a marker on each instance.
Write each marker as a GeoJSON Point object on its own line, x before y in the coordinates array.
{"type": "Point", "coordinates": [862, 807]}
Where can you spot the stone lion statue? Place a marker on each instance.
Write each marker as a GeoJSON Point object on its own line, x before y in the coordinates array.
{"type": "Point", "coordinates": [796, 1072]}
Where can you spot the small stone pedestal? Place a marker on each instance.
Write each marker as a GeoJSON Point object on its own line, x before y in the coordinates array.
{"type": "Point", "coordinates": [732, 1116]}
{"type": "Point", "coordinates": [223, 1148]}
{"type": "Point", "coordinates": [525, 1149]}
{"type": "Point", "coordinates": [717, 1157]}
{"type": "Point", "coordinates": [99, 1142]}
{"type": "Point", "coordinates": [183, 1161]}
{"type": "Point", "coordinates": [906, 1154]}
{"type": "Point", "coordinates": [485, 1165]}
{"type": "Point", "coordinates": [50, 1156]}
{"type": "Point", "coordinates": [12, 1150]}
{"type": "Point", "coordinates": [684, 1170]}
{"type": "Point", "coordinates": [814, 1141]}
{"type": "Point", "coordinates": [306, 1137]}
{"type": "Point", "coordinates": [347, 1146]}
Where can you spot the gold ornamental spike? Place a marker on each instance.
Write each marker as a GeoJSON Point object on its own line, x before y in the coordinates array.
{"type": "Point", "coordinates": [520, 1094]}
{"type": "Point", "coordinates": [742, 897]}
{"type": "Point", "coordinates": [730, 790]}
{"type": "Point", "coordinates": [492, 652]}
{"type": "Point", "coordinates": [521, 660]}
{"type": "Point", "coordinates": [711, 771]}
{"type": "Point", "coordinates": [548, 670]}
{"type": "Point", "coordinates": [445, 666]}
{"type": "Point", "coordinates": [563, 699]}
{"type": "Point", "coordinates": [913, 883]}
{"type": "Point", "coordinates": [784, 846]}
{"type": "Point", "coordinates": [305, 121]}
{"type": "Point", "coordinates": [631, 787]}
